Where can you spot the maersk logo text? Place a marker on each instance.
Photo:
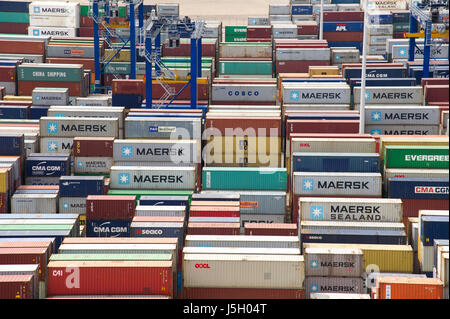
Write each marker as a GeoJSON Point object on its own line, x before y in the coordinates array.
{"type": "Point", "coordinates": [124, 178]}
{"type": "Point", "coordinates": [316, 212]}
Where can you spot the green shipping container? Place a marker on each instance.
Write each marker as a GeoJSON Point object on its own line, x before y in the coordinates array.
{"type": "Point", "coordinates": [400, 27]}
{"type": "Point", "coordinates": [50, 72]}
{"type": "Point", "coordinates": [106, 257]}
{"type": "Point", "coordinates": [240, 30]}
{"type": "Point", "coordinates": [399, 156]}
{"type": "Point", "coordinates": [141, 192]}
{"type": "Point", "coordinates": [245, 67]}
{"type": "Point", "coordinates": [235, 38]}
{"type": "Point", "coordinates": [14, 17]}
{"type": "Point", "coordinates": [245, 178]}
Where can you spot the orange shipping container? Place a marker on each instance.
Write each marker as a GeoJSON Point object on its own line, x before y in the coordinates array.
{"type": "Point", "coordinates": [409, 288]}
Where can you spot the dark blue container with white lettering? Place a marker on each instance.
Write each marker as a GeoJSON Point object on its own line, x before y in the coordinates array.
{"type": "Point", "coordinates": [436, 71]}
{"type": "Point", "coordinates": [340, 44]}
{"type": "Point", "coordinates": [12, 144]}
{"type": "Point", "coordinates": [343, 26]}
{"type": "Point", "coordinates": [127, 100]}
{"type": "Point", "coordinates": [375, 72]}
{"type": "Point", "coordinates": [300, 9]}
{"type": "Point", "coordinates": [158, 229]}
{"type": "Point", "coordinates": [108, 228]}
{"type": "Point", "coordinates": [418, 188]}
{"type": "Point", "coordinates": [384, 82]}
{"type": "Point", "coordinates": [335, 162]}
{"type": "Point", "coordinates": [47, 166]}
{"type": "Point", "coordinates": [353, 236]}
{"type": "Point", "coordinates": [81, 186]}
{"type": "Point", "coordinates": [400, 17]}
{"type": "Point", "coordinates": [433, 227]}
{"type": "Point", "coordinates": [38, 111]}
{"type": "Point", "coordinates": [344, 1]}
{"type": "Point", "coordinates": [14, 6]}
{"type": "Point", "coordinates": [19, 112]}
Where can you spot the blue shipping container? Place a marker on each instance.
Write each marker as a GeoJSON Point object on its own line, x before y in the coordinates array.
{"type": "Point", "coordinates": [14, 6]}
{"type": "Point", "coordinates": [127, 100]}
{"type": "Point", "coordinates": [164, 201]}
{"type": "Point", "coordinates": [400, 17]}
{"type": "Point", "coordinates": [433, 227]}
{"type": "Point", "coordinates": [36, 112]}
{"type": "Point", "coordinates": [47, 166]}
{"type": "Point", "coordinates": [380, 18]}
{"type": "Point", "coordinates": [384, 82]}
{"type": "Point", "coordinates": [108, 228]}
{"type": "Point", "coordinates": [81, 186]}
{"type": "Point", "coordinates": [12, 144]}
{"type": "Point", "coordinates": [14, 112]}
{"type": "Point", "coordinates": [418, 188]}
{"type": "Point", "coordinates": [336, 162]}
{"type": "Point", "coordinates": [302, 9]}
{"type": "Point", "coordinates": [375, 72]}
{"type": "Point", "coordinates": [340, 44]}
{"type": "Point", "coordinates": [343, 26]}
{"type": "Point", "coordinates": [174, 230]}
{"type": "Point", "coordinates": [436, 71]}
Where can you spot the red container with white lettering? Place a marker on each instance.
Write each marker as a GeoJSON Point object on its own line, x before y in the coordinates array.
{"type": "Point", "coordinates": [110, 207]}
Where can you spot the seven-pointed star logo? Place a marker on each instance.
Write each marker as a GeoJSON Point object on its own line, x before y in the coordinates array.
{"type": "Point", "coordinates": [367, 95]}
{"type": "Point", "coordinates": [52, 146]}
{"type": "Point", "coordinates": [124, 178]}
{"type": "Point", "coordinates": [52, 127]}
{"type": "Point", "coordinates": [375, 131]}
{"type": "Point", "coordinates": [402, 52]}
{"type": "Point", "coordinates": [295, 95]}
{"type": "Point", "coordinates": [127, 151]}
{"type": "Point", "coordinates": [316, 212]}
{"type": "Point", "coordinates": [80, 164]}
{"type": "Point", "coordinates": [376, 116]}
{"type": "Point", "coordinates": [308, 184]}
{"type": "Point", "coordinates": [65, 205]}
{"type": "Point", "coordinates": [314, 288]}
{"type": "Point", "coordinates": [314, 264]}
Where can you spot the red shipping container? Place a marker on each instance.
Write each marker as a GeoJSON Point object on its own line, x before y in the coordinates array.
{"type": "Point", "coordinates": [242, 293]}
{"type": "Point", "coordinates": [321, 126]}
{"type": "Point", "coordinates": [343, 36]}
{"type": "Point", "coordinates": [88, 64]}
{"type": "Point", "coordinates": [260, 32]}
{"type": "Point", "coordinates": [39, 243]}
{"type": "Point", "coordinates": [171, 219]}
{"type": "Point", "coordinates": [110, 207]}
{"type": "Point", "coordinates": [434, 81]}
{"type": "Point", "coordinates": [110, 278]}
{"type": "Point", "coordinates": [411, 207]}
{"type": "Point", "coordinates": [274, 229]}
{"type": "Point", "coordinates": [93, 146]}
{"type": "Point", "coordinates": [409, 288]}
{"type": "Point", "coordinates": [86, 31]}
{"type": "Point", "coordinates": [27, 87]}
{"type": "Point", "coordinates": [4, 208]}
{"type": "Point", "coordinates": [15, 28]}
{"type": "Point", "coordinates": [247, 123]}
{"type": "Point", "coordinates": [16, 287]}
{"type": "Point", "coordinates": [21, 103]}
{"type": "Point", "coordinates": [214, 211]}
{"type": "Point", "coordinates": [436, 93]}
{"type": "Point", "coordinates": [8, 73]}
{"type": "Point", "coordinates": [107, 182]}
{"type": "Point", "coordinates": [15, 256]}
{"type": "Point", "coordinates": [208, 50]}
{"type": "Point", "coordinates": [128, 87]}
{"type": "Point", "coordinates": [25, 47]}
{"type": "Point", "coordinates": [298, 66]}
{"type": "Point", "coordinates": [253, 40]}
{"type": "Point", "coordinates": [214, 229]}
{"type": "Point", "coordinates": [202, 90]}
{"type": "Point", "coordinates": [398, 35]}
{"type": "Point", "coordinates": [307, 29]}
{"type": "Point", "coordinates": [37, 187]}
{"type": "Point", "coordinates": [108, 78]}
{"type": "Point", "coordinates": [343, 16]}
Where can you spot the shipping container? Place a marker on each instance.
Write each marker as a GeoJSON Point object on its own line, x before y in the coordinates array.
{"type": "Point", "coordinates": [34, 203]}
{"type": "Point", "coordinates": [389, 95]}
{"type": "Point", "coordinates": [242, 241]}
{"type": "Point", "coordinates": [322, 262]}
{"type": "Point", "coordinates": [81, 186]}
{"type": "Point", "coordinates": [81, 126]}
{"type": "Point", "coordinates": [16, 287]}
{"type": "Point", "coordinates": [47, 166]}
{"type": "Point", "coordinates": [108, 207]}
{"type": "Point", "coordinates": [336, 162]}
{"type": "Point", "coordinates": [242, 293]}
{"type": "Point", "coordinates": [395, 115]}
{"type": "Point", "coordinates": [333, 145]}
{"type": "Point", "coordinates": [409, 288]}
{"type": "Point", "coordinates": [333, 284]}
{"type": "Point", "coordinates": [161, 210]}
{"type": "Point", "coordinates": [147, 127]}
{"type": "Point", "coordinates": [274, 229]}
{"type": "Point", "coordinates": [430, 157]}
{"type": "Point", "coordinates": [197, 228]}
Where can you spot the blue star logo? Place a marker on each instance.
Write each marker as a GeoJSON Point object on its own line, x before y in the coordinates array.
{"type": "Point", "coordinates": [314, 288]}
{"type": "Point", "coordinates": [124, 179]}
{"type": "Point", "coordinates": [375, 132]}
{"type": "Point", "coordinates": [52, 146]}
{"type": "Point", "coordinates": [127, 151]}
{"type": "Point", "coordinates": [80, 164]}
{"type": "Point", "coordinates": [36, 33]}
{"type": "Point", "coordinates": [376, 116]}
{"type": "Point", "coordinates": [308, 184]}
{"type": "Point", "coordinates": [295, 96]}
{"type": "Point", "coordinates": [37, 10]}
{"type": "Point", "coordinates": [402, 52]}
{"type": "Point", "coordinates": [367, 96]}
{"type": "Point", "coordinates": [66, 205]}
{"type": "Point", "coordinates": [52, 127]}
{"type": "Point", "coordinates": [314, 264]}
{"type": "Point", "coordinates": [316, 212]}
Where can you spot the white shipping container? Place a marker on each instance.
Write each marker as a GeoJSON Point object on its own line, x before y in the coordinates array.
{"type": "Point", "coordinates": [415, 237]}
{"type": "Point", "coordinates": [100, 112]}
{"type": "Point", "coordinates": [243, 271]}
{"type": "Point", "coordinates": [72, 205]}
{"type": "Point", "coordinates": [54, 21]}
{"type": "Point", "coordinates": [348, 7]}
{"type": "Point", "coordinates": [323, 107]}
{"type": "Point", "coordinates": [414, 129]}
{"type": "Point", "coordinates": [334, 225]}
{"type": "Point", "coordinates": [436, 51]}
{"type": "Point", "coordinates": [56, 144]}
{"type": "Point", "coordinates": [378, 39]}
{"type": "Point", "coordinates": [327, 295]}
{"type": "Point", "coordinates": [79, 127]}
{"type": "Point", "coordinates": [244, 92]}
{"type": "Point", "coordinates": [279, 9]}
{"type": "Point", "coordinates": [258, 21]}
{"type": "Point", "coordinates": [443, 268]}
{"type": "Point", "coordinates": [284, 31]}
{"type": "Point", "coordinates": [302, 94]}
{"type": "Point", "coordinates": [386, 95]}
{"type": "Point", "coordinates": [34, 204]}
{"type": "Point", "coordinates": [163, 127]}
{"type": "Point", "coordinates": [249, 50]}
{"type": "Point", "coordinates": [402, 114]}
{"type": "Point", "coordinates": [426, 254]}
{"type": "Point", "coordinates": [93, 101]}
{"type": "Point", "coordinates": [52, 31]}
{"type": "Point", "coordinates": [375, 5]}
{"type": "Point", "coordinates": [333, 262]}
{"type": "Point", "coordinates": [303, 54]}
{"type": "Point", "coordinates": [55, 8]}
{"type": "Point", "coordinates": [333, 284]}
{"type": "Point", "coordinates": [333, 145]}
{"type": "Point", "coordinates": [381, 29]}
{"type": "Point", "coordinates": [31, 146]}
{"type": "Point", "coordinates": [242, 241]}
{"type": "Point", "coordinates": [179, 211]}
{"type": "Point", "coordinates": [96, 165]}
{"type": "Point", "coordinates": [27, 58]}
{"type": "Point", "coordinates": [279, 19]}
{"type": "Point", "coordinates": [338, 184]}
{"type": "Point", "coordinates": [118, 249]}
{"type": "Point", "coordinates": [148, 177]}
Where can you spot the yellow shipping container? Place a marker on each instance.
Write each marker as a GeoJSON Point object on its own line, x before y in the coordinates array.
{"type": "Point", "coordinates": [17, 98]}
{"type": "Point", "coordinates": [323, 70]}
{"type": "Point", "coordinates": [416, 140]}
{"type": "Point", "coordinates": [124, 55]}
{"type": "Point", "coordinates": [4, 179]}
{"type": "Point", "coordinates": [383, 258]}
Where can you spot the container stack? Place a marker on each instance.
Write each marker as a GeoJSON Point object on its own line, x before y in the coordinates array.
{"type": "Point", "coordinates": [409, 288]}
{"type": "Point", "coordinates": [344, 29]}
{"type": "Point", "coordinates": [46, 169]}
{"type": "Point", "coordinates": [128, 93]}
{"type": "Point", "coordinates": [93, 155]}
{"type": "Point", "coordinates": [8, 81]}
{"type": "Point", "coordinates": [400, 23]}
{"type": "Point", "coordinates": [440, 270]}
{"type": "Point", "coordinates": [54, 19]}
{"type": "Point", "coordinates": [14, 17]}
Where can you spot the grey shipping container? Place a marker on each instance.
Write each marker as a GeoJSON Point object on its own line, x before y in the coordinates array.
{"type": "Point", "coordinates": [34, 203]}
{"type": "Point", "coordinates": [101, 112]}
{"type": "Point", "coordinates": [414, 129]}
{"type": "Point", "coordinates": [154, 127]}
{"type": "Point", "coordinates": [399, 114]}
{"type": "Point", "coordinates": [242, 241]}
{"type": "Point", "coordinates": [301, 94]}
{"type": "Point", "coordinates": [72, 205]}
{"type": "Point", "coordinates": [94, 165]}
{"type": "Point", "coordinates": [56, 144]}
{"type": "Point", "coordinates": [303, 54]}
{"type": "Point", "coordinates": [79, 126]}
{"type": "Point", "coordinates": [161, 210]}
{"type": "Point", "coordinates": [391, 95]}
{"type": "Point", "coordinates": [244, 92]}
{"type": "Point", "coordinates": [49, 96]}
{"type": "Point", "coordinates": [333, 262]}
{"type": "Point", "coordinates": [93, 101]}
{"type": "Point", "coordinates": [333, 284]}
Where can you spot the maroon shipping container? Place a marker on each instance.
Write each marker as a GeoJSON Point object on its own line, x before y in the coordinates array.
{"type": "Point", "coordinates": [307, 29]}
{"type": "Point", "coordinates": [321, 126]}
{"type": "Point", "coordinates": [169, 219]}
{"type": "Point", "coordinates": [93, 146]}
{"type": "Point", "coordinates": [255, 123]}
{"type": "Point", "coordinates": [107, 182]}
{"type": "Point", "coordinates": [208, 50]}
{"type": "Point", "coordinates": [88, 64]}
{"type": "Point", "coordinates": [20, 256]}
{"type": "Point", "coordinates": [242, 293]}
{"type": "Point", "coordinates": [39, 243]}
{"type": "Point", "coordinates": [128, 87]}
{"type": "Point", "coordinates": [214, 229]}
{"type": "Point", "coordinates": [436, 93]}
{"type": "Point", "coordinates": [112, 278]}
{"type": "Point", "coordinates": [16, 287]}
{"type": "Point", "coordinates": [214, 211]}
{"type": "Point", "coordinates": [108, 78]}
{"type": "Point", "coordinates": [268, 40]}
{"type": "Point", "coordinates": [343, 16]}
{"type": "Point", "coordinates": [434, 81]}
{"type": "Point", "coordinates": [4, 207]}
{"type": "Point", "coordinates": [109, 207]}
{"type": "Point", "coordinates": [275, 229]}
{"type": "Point", "coordinates": [27, 87]}
{"type": "Point", "coordinates": [202, 90]}
{"type": "Point", "coordinates": [8, 73]}
{"type": "Point", "coordinates": [15, 28]}
{"type": "Point", "coordinates": [398, 35]}
{"type": "Point", "coordinates": [261, 32]}
{"type": "Point", "coordinates": [21, 103]}
{"type": "Point", "coordinates": [343, 36]}
{"type": "Point", "coordinates": [411, 207]}
{"type": "Point", "coordinates": [86, 31]}
{"type": "Point", "coordinates": [298, 66]}
{"type": "Point", "coordinates": [25, 47]}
